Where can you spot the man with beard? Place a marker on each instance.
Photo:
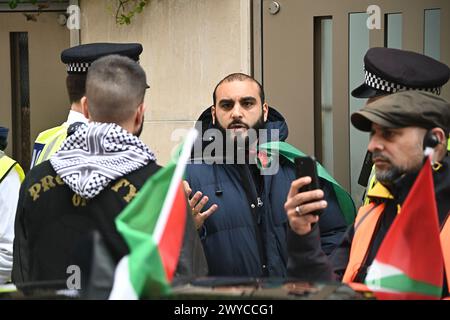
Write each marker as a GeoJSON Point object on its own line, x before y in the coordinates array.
{"type": "Point", "coordinates": [401, 126]}
{"type": "Point", "coordinates": [89, 181]}
{"type": "Point", "coordinates": [238, 208]}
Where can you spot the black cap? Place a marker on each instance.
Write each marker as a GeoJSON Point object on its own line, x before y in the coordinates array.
{"type": "Point", "coordinates": [391, 70]}
{"type": "Point", "coordinates": [79, 58]}
{"type": "Point", "coordinates": [404, 109]}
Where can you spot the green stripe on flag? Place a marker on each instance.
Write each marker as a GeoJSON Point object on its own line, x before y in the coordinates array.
{"type": "Point", "coordinates": [138, 226]}
{"type": "Point", "coordinates": [290, 152]}
{"type": "Point", "coordinates": [153, 230]}
{"type": "Point", "coordinates": [147, 273]}
{"type": "Point", "coordinates": [401, 283]}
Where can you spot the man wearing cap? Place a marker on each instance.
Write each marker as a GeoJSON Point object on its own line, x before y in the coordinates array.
{"type": "Point", "coordinates": [83, 187]}
{"type": "Point", "coordinates": [78, 59]}
{"type": "Point", "coordinates": [11, 176]}
{"type": "Point", "coordinates": [387, 71]}
{"type": "Point", "coordinates": [401, 126]}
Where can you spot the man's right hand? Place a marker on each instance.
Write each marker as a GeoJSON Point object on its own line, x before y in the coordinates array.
{"type": "Point", "coordinates": [300, 206]}
{"type": "Point", "coordinates": [196, 203]}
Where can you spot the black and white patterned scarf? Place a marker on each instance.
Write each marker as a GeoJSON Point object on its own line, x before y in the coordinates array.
{"type": "Point", "coordinates": [97, 154]}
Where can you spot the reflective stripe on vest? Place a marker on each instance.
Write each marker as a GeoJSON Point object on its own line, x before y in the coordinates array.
{"type": "Point", "coordinates": [365, 224]}
{"type": "Point", "coordinates": [47, 143]}
{"type": "Point", "coordinates": [6, 164]}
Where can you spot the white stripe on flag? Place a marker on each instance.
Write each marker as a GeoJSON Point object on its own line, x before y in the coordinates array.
{"type": "Point", "coordinates": [379, 270]}
{"type": "Point", "coordinates": [122, 288]}
{"type": "Point", "coordinates": [174, 185]}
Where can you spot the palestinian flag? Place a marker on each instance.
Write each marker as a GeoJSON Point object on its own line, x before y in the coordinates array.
{"type": "Point", "coordinates": [409, 263]}
{"type": "Point", "coordinates": [153, 226]}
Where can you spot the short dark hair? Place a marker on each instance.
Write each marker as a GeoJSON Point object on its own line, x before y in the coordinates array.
{"type": "Point", "coordinates": [239, 77]}
{"type": "Point", "coordinates": [115, 87]}
{"type": "Point", "coordinates": [76, 86]}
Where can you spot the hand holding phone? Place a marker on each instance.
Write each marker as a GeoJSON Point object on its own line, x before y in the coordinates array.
{"type": "Point", "coordinates": [306, 167]}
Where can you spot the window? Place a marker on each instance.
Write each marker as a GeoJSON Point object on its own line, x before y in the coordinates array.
{"type": "Point", "coordinates": [20, 98]}
{"type": "Point", "coordinates": [323, 91]}
{"type": "Point", "coordinates": [432, 33]}
{"type": "Point", "coordinates": [393, 30]}
{"type": "Point", "coordinates": [358, 46]}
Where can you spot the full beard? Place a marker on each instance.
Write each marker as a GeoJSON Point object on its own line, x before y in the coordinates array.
{"type": "Point", "coordinates": [241, 143]}
{"type": "Point", "coordinates": [389, 176]}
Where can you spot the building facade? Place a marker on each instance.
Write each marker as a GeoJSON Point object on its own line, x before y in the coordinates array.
{"type": "Point", "coordinates": [307, 54]}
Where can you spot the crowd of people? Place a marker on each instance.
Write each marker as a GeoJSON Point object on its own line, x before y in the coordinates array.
{"type": "Point", "coordinates": [241, 222]}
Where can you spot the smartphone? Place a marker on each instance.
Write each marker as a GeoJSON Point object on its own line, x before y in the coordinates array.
{"type": "Point", "coordinates": [306, 167]}
{"type": "Point", "coordinates": [366, 170]}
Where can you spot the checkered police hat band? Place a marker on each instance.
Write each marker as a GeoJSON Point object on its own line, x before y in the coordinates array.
{"type": "Point", "coordinates": [376, 82]}
{"type": "Point", "coordinates": [81, 67]}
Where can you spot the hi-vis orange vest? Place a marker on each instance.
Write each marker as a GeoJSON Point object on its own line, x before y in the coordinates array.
{"type": "Point", "coordinates": [365, 225]}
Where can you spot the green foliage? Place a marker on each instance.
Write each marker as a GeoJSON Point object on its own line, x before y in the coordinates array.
{"type": "Point", "coordinates": [13, 3]}
{"type": "Point", "coordinates": [125, 9]}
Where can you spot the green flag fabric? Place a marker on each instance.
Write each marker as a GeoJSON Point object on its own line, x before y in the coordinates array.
{"type": "Point", "coordinates": [153, 227]}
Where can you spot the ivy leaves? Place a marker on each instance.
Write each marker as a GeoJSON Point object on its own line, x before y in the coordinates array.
{"type": "Point", "coordinates": [13, 3]}
{"type": "Point", "coordinates": [127, 9]}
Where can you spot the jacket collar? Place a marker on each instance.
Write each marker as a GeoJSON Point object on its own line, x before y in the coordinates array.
{"type": "Point", "coordinates": [379, 191]}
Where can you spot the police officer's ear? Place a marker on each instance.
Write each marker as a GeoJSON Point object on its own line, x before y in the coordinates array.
{"type": "Point", "coordinates": [84, 107]}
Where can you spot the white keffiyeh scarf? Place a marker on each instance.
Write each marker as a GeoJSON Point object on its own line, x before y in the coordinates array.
{"type": "Point", "coordinates": [97, 154]}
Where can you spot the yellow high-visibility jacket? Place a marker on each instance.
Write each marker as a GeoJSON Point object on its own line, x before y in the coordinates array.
{"type": "Point", "coordinates": [47, 143]}
{"type": "Point", "coordinates": [7, 164]}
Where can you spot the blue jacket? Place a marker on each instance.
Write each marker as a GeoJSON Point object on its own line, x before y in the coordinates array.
{"type": "Point", "coordinates": [230, 235]}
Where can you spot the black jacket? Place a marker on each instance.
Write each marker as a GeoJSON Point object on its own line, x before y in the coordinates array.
{"type": "Point", "coordinates": [53, 225]}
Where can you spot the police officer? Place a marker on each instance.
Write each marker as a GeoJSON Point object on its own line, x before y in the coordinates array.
{"type": "Point", "coordinates": [78, 59]}
{"type": "Point", "coordinates": [387, 71]}
{"type": "Point", "coordinates": [11, 176]}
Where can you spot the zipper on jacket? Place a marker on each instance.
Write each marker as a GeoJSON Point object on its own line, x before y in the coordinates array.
{"type": "Point", "coordinates": [252, 195]}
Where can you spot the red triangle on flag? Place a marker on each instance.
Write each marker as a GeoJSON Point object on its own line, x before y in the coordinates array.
{"type": "Point", "coordinates": [412, 245]}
